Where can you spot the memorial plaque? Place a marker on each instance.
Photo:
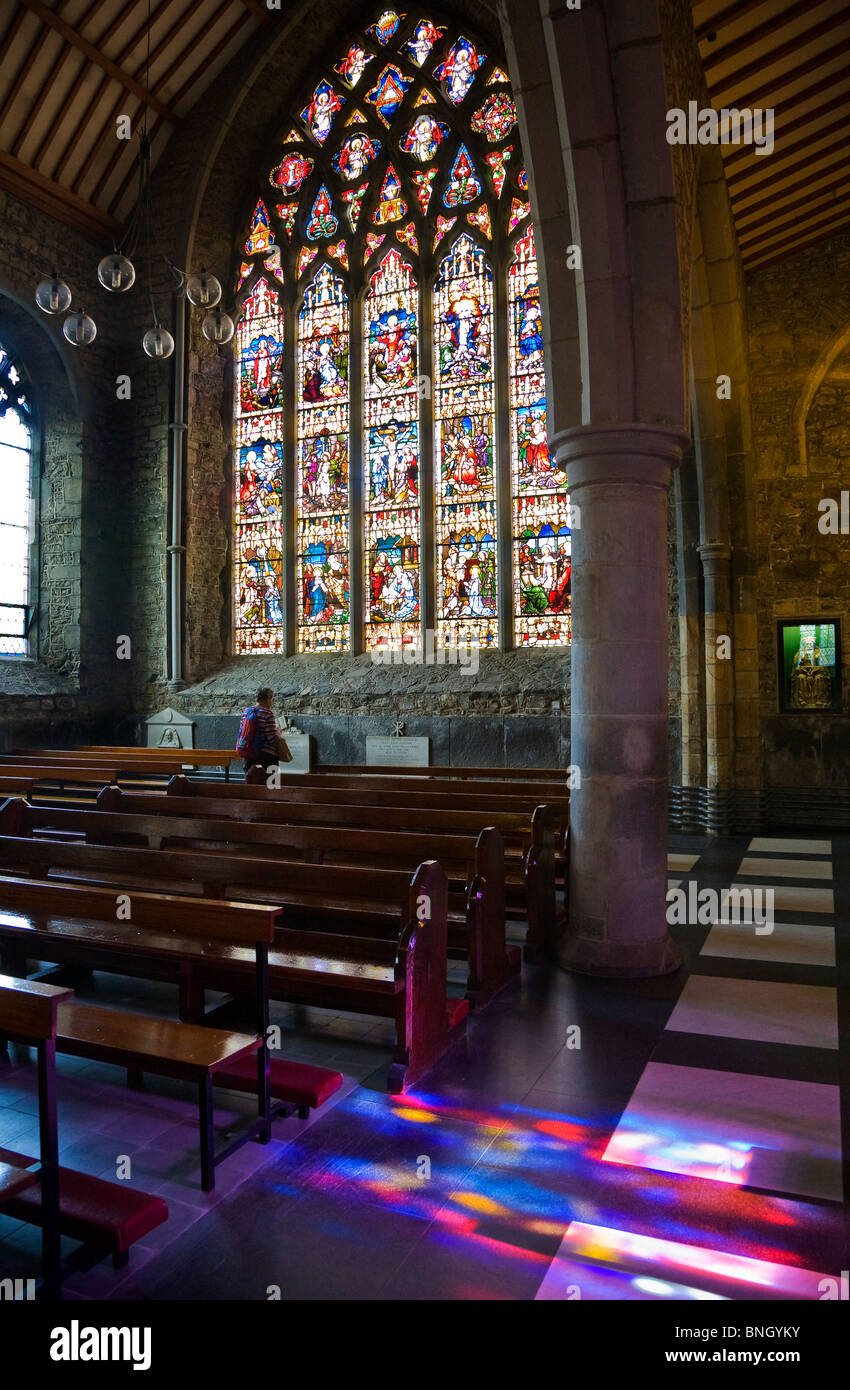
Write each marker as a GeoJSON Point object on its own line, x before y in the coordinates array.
{"type": "Point", "coordinates": [169, 729]}
{"type": "Point", "coordinates": [300, 746]}
{"type": "Point", "coordinates": [398, 752]}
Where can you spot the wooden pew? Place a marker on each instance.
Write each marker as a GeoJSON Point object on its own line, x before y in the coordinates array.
{"type": "Point", "coordinates": [13, 782]}
{"type": "Point", "coordinates": [484, 790]}
{"type": "Point", "coordinates": [135, 1041]}
{"type": "Point", "coordinates": [183, 862]}
{"type": "Point", "coordinates": [66, 763]}
{"type": "Point", "coordinates": [446, 770]}
{"type": "Point", "coordinates": [529, 838]}
{"type": "Point", "coordinates": [177, 758]}
{"type": "Point", "coordinates": [403, 978]}
{"type": "Point", "coordinates": [107, 1217]}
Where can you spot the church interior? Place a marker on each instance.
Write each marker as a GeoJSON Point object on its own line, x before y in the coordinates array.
{"type": "Point", "coordinates": [424, 672]}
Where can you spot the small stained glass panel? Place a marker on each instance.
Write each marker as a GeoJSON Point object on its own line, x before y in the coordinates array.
{"type": "Point", "coordinates": [322, 473]}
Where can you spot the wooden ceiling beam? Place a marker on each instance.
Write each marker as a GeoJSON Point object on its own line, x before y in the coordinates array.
{"type": "Point", "coordinates": [780, 149]}
{"type": "Point", "coordinates": [795, 196]}
{"type": "Point", "coordinates": [773, 171]}
{"type": "Point", "coordinates": [782, 252]}
{"type": "Point", "coordinates": [108, 125]}
{"type": "Point", "coordinates": [828, 222]}
{"type": "Point", "coordinates": [21, 75]}
{"type": "Point", "coordinates": [824, 203]}
{"type": "Point", "coordinates": [758, 91]}
{"type": "Point", "coordinates": [178, 96]}
{"type": "Point", "coordinates": [722, 53]}
{"type": "Point", "coordinates": [739, 9]}
{"type": "Point", "coordinates": [76, 40]}
{"type": "Point", "coordinates": [257, 9]}
{"type": "Point", "coordinates": [785, 50]}
{"type": "Point", "coordinates": [740, 208]}
{"type": "Point", "coordinates": [42, 193]}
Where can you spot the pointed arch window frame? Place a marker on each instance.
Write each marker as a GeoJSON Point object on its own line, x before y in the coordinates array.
{"type": "Point", "coordinates": [16, 396]}
{"type": "Point", "coordinates": [499, 250]}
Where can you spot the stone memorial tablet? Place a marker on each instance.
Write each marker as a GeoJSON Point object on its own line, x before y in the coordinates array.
{"type": "Point", "coordinates": [300, 746]}
{"type": "Point", "coordinates": [398, 752]}
{"type": "Point", "coordinates": [170, 729]}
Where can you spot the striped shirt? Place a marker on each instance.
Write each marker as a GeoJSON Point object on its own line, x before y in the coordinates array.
{"type": "Point", "coordinates": [267, 726]}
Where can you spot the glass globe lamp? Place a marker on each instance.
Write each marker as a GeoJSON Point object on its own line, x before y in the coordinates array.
{"type": "Point", "coordinates": [158, 343]}
{"type": "Point", "coordinates": [116, 273]}
{"type": "Point", "coordinates": [203, 290]}
{"type": "Point", "coordinates": [218, 327]}
{"type": "Point", "coordinates": [80, 329]}
{"type": "Point", "coordinates": [53, 295]}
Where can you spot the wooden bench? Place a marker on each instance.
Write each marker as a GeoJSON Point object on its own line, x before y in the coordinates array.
{"type": "Point", "coordinates": [14, 782]}
{"type": "Point", "coordinates": [139, 1043]}
{"type": "Point", "coordinates": [446, 770]}
{"type": "Point", "coordinates": [65, 764]}
{"type": "Point", "coordinates": [107, 1217]}
{"type": "Point", "coordinates": [484, 790]}
{"type": "Point", "coordinates": [342, 896]}
{"type": "Point", "coordinates": [403, 978]}
{"type": "Point", "coordinates": [529, 840]}
{"type": "Point", "coordinates": [178, 757]}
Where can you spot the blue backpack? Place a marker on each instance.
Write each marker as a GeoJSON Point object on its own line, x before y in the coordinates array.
{"type": "Point", "coordinates": [250, 739]}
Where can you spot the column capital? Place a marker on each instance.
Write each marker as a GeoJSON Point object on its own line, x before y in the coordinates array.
{"type": "Point", "coordinates": [714, 555]}
{"type": "Point", "coordinates": [627, 453]}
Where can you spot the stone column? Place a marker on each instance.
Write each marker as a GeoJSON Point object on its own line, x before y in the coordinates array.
{"type": "Point", "coordinates": [619, 478]}
{"type": "Point", "coordinates": [719, 666]}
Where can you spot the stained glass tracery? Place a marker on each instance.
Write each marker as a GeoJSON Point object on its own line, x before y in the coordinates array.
{"type": "Point", "coordinates": [399, 209]}
{"type": "Point", "coordinates": [258, 480]}
{"type": "Point", "coordinates": [323, 421]}
{"type": "Point", "coordinates": [391, 455]}
{"type": "Point", "coordinates": [542, 542]}
{"type": "Point", "coordinates": [467, 602]}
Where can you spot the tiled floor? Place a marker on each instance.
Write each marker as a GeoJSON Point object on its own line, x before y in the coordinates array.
{"type": "Point", "coordinates": [663, 1139]}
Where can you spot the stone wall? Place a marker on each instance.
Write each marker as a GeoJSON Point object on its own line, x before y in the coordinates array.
{"type": "Point", "coordinates": [796, 309]}
{"type": "Point", "coordinates": [205, 190]}
{"type": "Point", "coordinates": [68, 688]}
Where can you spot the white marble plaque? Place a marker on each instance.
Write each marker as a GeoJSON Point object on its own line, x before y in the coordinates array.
{"type": "Point", "coordinates": [398, 752]}
{"type": "Point", "coordinates": [300, 746]}
{"type": "Point", "coordinates": [169, 729]}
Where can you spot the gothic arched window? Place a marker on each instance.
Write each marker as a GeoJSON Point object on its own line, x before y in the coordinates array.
{"type": "Point", "coordinates": [392, 473]}
{"type": "Point", "coordinates": [16, 437]}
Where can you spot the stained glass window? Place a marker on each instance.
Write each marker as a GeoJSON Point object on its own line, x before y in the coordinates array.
{"type": "Point", "coordinates": [467, 602]}
{"type": "Point", "coordinates": [542, 565]}
{"type": "Point", "coordinates": [258, 474]}
{"type": "Point", "coordinates": [401, 255]}
{"type": "Point", "coordinates": [323, 413]}
{"type": "Point", "coordinates": [391, 455]}
{"type": "Point", "coordinates": [15, 522]}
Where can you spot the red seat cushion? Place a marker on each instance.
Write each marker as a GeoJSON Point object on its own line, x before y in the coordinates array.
{"type": "Point", "coordinates": [109, 1215]}
{"type": "Point", "coordinates": [456, 1011]}
{"type": "Point", "coordinates": [291, 1081]}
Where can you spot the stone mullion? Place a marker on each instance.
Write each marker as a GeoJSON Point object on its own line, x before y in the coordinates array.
{"type": "Point", "coordinates": [502, 462]}
{"type": "Point", "coordinates": [356, 481]}
{"type": "Point", "coordinates": [289, 532]}
{"type": "Point", "coordinates": [427, 486]}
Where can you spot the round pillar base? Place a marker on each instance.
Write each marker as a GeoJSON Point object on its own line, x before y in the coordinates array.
{"type": "Point", "coordinates": [620, 960]}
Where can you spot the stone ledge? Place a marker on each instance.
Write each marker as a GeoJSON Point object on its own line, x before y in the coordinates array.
{"type": "Point", "coordinates": [22, 677]}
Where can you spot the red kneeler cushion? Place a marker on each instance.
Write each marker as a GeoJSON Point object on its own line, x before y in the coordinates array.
{"type": "Point", "coordinates": [456, 1011]}
{"type": "Point", "coordinates": [290, 1081]}
{"type": "Point", "coordinates": [108, 1215]}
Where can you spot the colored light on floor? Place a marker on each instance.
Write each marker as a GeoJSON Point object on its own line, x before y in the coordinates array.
{"type": "Point", "coordinates": [604, 1243]}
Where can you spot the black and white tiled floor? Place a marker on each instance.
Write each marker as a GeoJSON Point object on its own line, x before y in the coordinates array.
{"type": "Point", "coordinates": [665, 1139]}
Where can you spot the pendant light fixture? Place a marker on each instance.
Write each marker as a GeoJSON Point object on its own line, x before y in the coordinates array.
{"type": "Point", "coordinates": [116, 271]}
